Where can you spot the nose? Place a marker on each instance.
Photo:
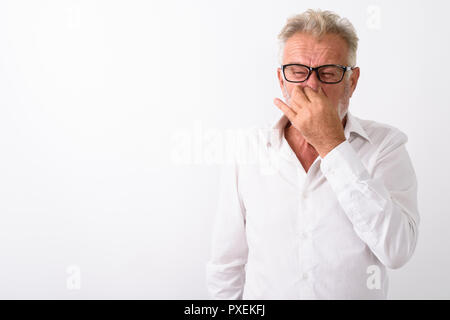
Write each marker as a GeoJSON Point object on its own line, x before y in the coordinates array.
{"type": "Point", "coordinates": [312, 82]}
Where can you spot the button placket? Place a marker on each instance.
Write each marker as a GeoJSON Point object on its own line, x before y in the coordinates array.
{"type": "Point", "coordinates": [304, 235]}
{"type": "Point", "coordinates": [304, 195]}
{"type": "Point", "coordinates": [304, 220]}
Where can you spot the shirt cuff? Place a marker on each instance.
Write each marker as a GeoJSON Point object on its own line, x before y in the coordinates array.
{"type": "Point", "coordinates": [342, 166]}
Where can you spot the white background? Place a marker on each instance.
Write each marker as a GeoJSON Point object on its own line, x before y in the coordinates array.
{"type": "Point", "coordinates": [92, 94]}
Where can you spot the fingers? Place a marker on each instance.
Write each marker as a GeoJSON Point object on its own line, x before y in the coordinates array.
{"type": "Point", "coordinates": [285, 108]}
{"type": "Point", "coordinates": [299, 93]}
{"type": "Point", "coordinates": [321, 92]}
{"type": "Point", "coordinates": [312, 94]}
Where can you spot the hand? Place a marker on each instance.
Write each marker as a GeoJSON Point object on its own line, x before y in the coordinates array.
{"type": "Point", "coordinates": [313, 114]}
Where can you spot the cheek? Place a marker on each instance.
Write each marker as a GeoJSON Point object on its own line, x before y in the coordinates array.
{"type": "Point", "coordinates": [334, 93]}
{"type": "Point", "coordinates": [289, 87]}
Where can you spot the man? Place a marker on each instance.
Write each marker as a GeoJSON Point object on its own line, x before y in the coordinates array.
{"type": "Point", "coordinates": [342, 203]}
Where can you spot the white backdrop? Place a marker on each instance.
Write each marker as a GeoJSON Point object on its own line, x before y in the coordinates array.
{"type": "Point", "coordinates": [95, 97]}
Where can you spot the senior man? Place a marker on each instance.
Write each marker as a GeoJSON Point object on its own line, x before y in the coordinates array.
{"type": "Point", "coordinates": [341, 205]}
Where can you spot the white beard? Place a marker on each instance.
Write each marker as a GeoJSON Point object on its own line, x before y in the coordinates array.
{"type": "Point", "coordinates": [343, 103]}
{"type": "Point", "coordinates": [286, 95]}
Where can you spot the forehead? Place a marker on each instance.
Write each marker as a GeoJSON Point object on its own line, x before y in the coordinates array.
{"type": "Point", "coordinates": [307, 49]}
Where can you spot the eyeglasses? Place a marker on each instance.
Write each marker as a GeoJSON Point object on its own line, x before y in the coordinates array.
{"type": "Point", "coordinates": [330, 73]}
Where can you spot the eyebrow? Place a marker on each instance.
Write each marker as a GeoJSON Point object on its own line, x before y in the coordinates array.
{"type": "Point", "coordinates": [324, 64]}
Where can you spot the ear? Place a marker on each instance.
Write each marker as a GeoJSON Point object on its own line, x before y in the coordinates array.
{"type": "Point", "coordinates": [280, 78]}
{"type": "Point", "coordinates": [354, 80]}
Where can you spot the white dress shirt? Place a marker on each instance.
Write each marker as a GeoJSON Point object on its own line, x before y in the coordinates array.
{"type": "Point", "coordinates": [283, 233]}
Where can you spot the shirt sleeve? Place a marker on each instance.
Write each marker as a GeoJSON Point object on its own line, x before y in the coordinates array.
{"type": "Point", "coordinates": [225, 271]}
{"type": "Point", "coordinates": [382, 206]}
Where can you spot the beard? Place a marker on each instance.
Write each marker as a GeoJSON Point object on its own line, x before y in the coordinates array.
{"type": "Point", "coordinates": [343, 102]}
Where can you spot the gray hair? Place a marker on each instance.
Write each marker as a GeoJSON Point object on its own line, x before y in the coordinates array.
{"type": "Point", "coordinates": [318, 23]}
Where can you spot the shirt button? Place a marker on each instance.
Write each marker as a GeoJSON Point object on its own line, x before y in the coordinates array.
{"type": "Point", "coordinates": [305, 276]}
{"type": "Point", "coordinates": [303, 235]}
{"type": "Point", "coordinates": [304, 195]}
{"type": "Point", "coordinates": [269, 144]}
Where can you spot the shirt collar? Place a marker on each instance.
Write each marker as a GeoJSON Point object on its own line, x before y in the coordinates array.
{"type": "Point", "coordinates": [352, 125]}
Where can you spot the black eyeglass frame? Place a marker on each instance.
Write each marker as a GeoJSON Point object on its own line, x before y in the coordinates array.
{"type": "Point", "coordinates": [316, 69]}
